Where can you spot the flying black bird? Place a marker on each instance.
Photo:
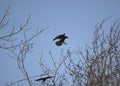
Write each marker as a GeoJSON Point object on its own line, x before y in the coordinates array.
{"type": "Point", "coordinates": [61, 36]}
{"type": "Point", "coordinates": [44, 78]}
{"type": "Point", "coordinates": [61, 40]}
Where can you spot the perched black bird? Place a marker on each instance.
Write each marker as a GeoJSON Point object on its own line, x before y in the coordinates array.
{"type": "Point", "coordinates": [44, 78]}
{"type": "Point", "coordinates": [61, 40]}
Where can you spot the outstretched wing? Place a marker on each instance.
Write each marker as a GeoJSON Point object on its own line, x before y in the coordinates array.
{"type": "Point", "coordinates": [59, 36]}
{"type": "Point", "coordinates": [43, 79]}
{"type": "Point", "coordinates": [39, 79]}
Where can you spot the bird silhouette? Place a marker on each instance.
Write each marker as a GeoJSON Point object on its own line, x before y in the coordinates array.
{"type": "Point", "coordinates": [44, 78]}
{"type": "Point", "coordinates": [61, 40]}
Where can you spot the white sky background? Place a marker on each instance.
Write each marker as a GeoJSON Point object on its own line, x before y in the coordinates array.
{"type": "Point", "coordinates": [76, 18]}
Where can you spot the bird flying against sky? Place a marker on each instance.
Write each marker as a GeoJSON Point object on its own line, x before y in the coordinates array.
{"type": "Point", "coordinates": [43, 79]}
{"type": "Point", "coordinates": [61, 39]}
